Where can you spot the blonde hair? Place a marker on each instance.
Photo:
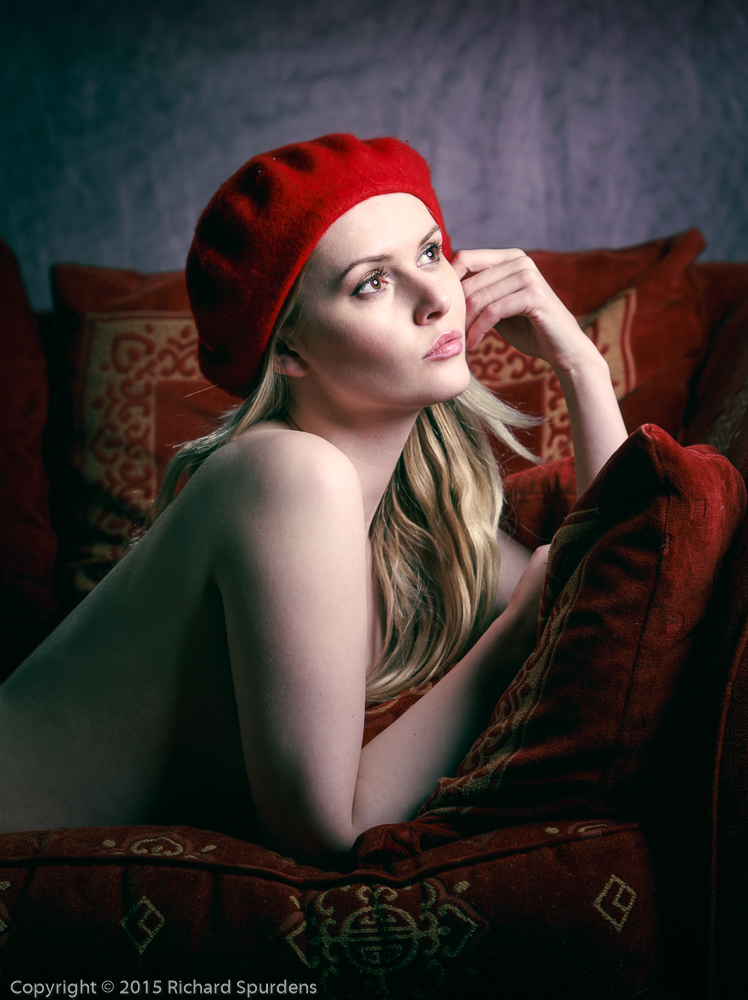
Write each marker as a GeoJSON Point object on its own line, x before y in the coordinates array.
{"type": "Point", "coordinates": [434, 534]}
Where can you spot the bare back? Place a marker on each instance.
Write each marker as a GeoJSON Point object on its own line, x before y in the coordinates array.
{"type": "Point", "coordinates": [128, 712]}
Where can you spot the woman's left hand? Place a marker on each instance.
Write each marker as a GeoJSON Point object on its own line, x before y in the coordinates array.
{"type": "Point", "coordinates": [504, 289]}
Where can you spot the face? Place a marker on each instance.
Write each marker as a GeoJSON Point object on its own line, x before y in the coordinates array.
{"type": "Point", "coordinates": [383, 312]}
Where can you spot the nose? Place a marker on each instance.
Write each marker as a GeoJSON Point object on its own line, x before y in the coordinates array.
{"type": "Point", "coordinates": [433, 299]}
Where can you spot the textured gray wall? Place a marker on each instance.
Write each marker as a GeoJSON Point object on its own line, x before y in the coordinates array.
{"type": "Point", "coordinates": [556, 123]}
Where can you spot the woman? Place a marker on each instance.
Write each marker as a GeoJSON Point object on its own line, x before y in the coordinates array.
{"type": "Point", "coordinates": [337, 542]}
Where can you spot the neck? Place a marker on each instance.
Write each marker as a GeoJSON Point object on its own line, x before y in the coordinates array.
{"type": "Point", "coordinates": [374, 446]}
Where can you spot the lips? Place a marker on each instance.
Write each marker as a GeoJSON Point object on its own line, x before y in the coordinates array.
{"type": "Point", "coordinates": [446, 346]}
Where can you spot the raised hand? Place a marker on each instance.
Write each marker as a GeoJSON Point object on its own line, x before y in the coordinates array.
{"type": "Point", "coordinates": [505, 290]}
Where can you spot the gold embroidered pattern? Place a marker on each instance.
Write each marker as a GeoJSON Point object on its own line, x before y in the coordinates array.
{"type": "Point", "coordinates": [143, 923]}
{"type": "Point", "coordinates": [133, 366]}
{"type": "Point", "coordinates": [160, 845]}
{"type": "Point", "coordinates": [165, 846]}
{"type": "Point", "coordinates": [616, 901]}
{"type": "Point", "coordinates": [363, 940]}
{"type": "Point", "coordinates": [592, 829]}
{"type": "Point", "coordinates": [126, 355]}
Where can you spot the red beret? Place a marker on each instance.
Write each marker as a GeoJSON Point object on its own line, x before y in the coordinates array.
{"type": "Point", "coordinates": [259, 228]}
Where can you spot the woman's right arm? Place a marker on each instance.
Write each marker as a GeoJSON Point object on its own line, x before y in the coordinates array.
{"type": "Point", "coordinates": [291, 566]}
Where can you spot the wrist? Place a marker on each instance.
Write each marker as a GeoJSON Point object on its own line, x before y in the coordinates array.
{"type": "Point", "coordinates": [585, 363]}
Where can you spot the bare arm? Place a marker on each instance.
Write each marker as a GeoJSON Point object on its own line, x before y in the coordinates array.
{"type": "Point", "coordinates": [503, 288]}
{"type": "Point", "coordinates": [290, 564]}
{"type": "Point", "coordinates": [400, 767]}
{"type": "Point", "coordinates": [292, 576]}
{"type": "Point", "coordinates": [597, 427]}
{"type": "Point", "coordinates": [513, 563]}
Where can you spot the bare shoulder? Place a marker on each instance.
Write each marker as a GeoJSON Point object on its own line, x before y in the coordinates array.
{"type": "Point", "coordinates": [272, 473]}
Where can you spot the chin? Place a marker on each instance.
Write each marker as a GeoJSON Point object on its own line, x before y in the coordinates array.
{"type": "Point", "coordinates": [454, 386]}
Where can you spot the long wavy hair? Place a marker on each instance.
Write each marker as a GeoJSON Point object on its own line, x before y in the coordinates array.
{"type": "Point", "coordinates": [434, 534]}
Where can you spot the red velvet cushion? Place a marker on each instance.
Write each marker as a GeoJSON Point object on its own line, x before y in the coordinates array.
{"type": "Point", "coordinates": [132, 391]}
{"type": "Point", "coordinates": [536, 500]}
{"type": "Point", "coordinates": [630, 577]}
{"type": "Point", "coordinates": [565, 909]}
{"type": "Point", "coordinates": [642, 307]}
{"type": "Point", "coordinates": [27, 541]}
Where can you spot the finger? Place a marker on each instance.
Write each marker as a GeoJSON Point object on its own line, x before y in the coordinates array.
{"type": "Point", "coordinates": [473, 338]}
{"type": "Point", "coordinates": [507, 306]}
{"type": "Point", "coordinates": [467, 261]}
{"type": "Point", "coordinates": [482, 297]}
{"type": "Point", "coordinates": [480, 289]}
{"type": "Point", "coordinates": [474, 281]}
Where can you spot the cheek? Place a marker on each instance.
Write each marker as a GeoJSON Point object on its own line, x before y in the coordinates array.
{"type": "Point", "coordinates": [375, 351]}
{"type": "Point", "coordinates": [353, 349]}
{"type": "Point", "coordinates": [366, 334]}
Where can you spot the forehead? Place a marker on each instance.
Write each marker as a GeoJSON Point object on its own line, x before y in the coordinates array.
{"type": "Point", "coordinates": [381, 225]}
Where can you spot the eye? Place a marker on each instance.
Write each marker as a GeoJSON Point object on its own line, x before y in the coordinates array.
{"type": "Point", "coordinates": [374, 282]}
{"type": "Point", "coordinates": [433, 253]}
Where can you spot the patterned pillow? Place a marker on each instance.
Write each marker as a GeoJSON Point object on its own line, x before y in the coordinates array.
{"type": "Point", "coordinates": [630, 575]}
{"type": "Point", "coordinates": [132, 393]}
{"type": "Point", "coordinates": [642, 308]}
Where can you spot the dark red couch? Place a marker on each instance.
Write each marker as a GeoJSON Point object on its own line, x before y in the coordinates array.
{"type": "Point", "coordinates": [595, 841]}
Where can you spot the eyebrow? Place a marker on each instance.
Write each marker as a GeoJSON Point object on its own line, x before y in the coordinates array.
{"type": "Point", "coordinates": [382, 256]}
